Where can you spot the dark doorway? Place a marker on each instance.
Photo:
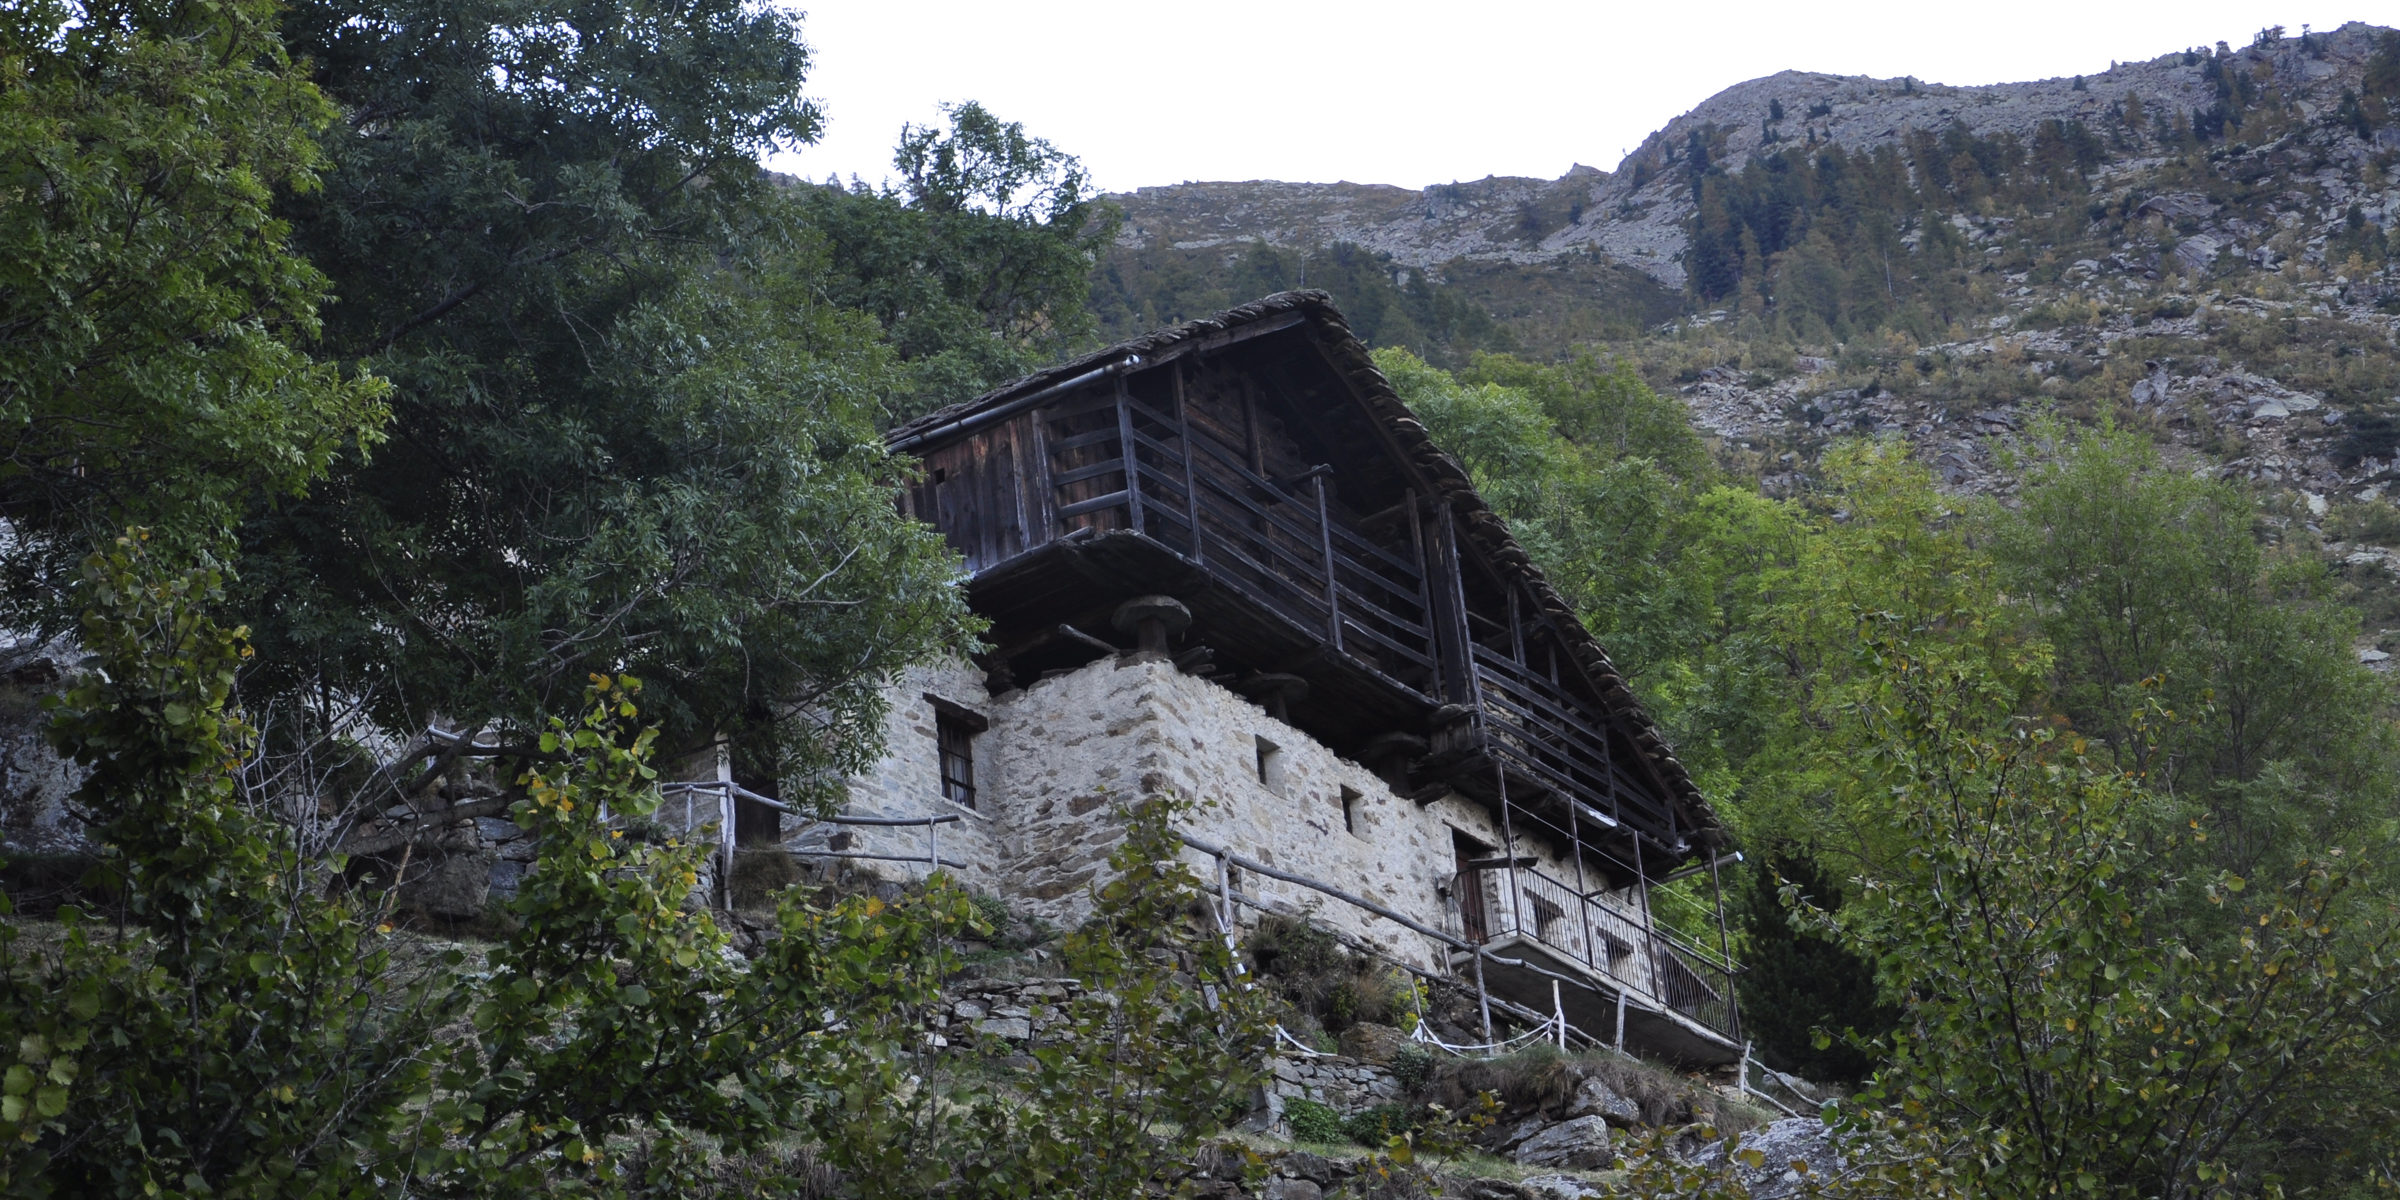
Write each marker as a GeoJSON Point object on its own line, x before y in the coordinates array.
{"type": "Point", "coordinates": [755, 757]}
{"type": "Point", "coordinates": [1468, 886]}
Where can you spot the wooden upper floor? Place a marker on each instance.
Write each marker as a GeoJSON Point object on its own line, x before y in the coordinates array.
{"type": "Point", "coordinates": [1337, 565]}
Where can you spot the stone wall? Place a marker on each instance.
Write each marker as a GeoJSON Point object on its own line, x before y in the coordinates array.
{"type": "Point", "coordinates": [1061, 755]}
{"type": "Point", "coordinates": [907, 782]}
{"type": "Point", "coordinates": [1022, 1011]}
{"type": "Point", "coordinates": [1346, 1084]}
{"type": "Point", "coordinates": [35, 780]}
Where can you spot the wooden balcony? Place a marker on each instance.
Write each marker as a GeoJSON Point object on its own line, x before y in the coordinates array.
{"type": "Point", "coordinates": [1679, 996]}
{"type": "Point", "coordinates": [1303, 552]}
{"type": "Point", "coordinates": [1071, 508]}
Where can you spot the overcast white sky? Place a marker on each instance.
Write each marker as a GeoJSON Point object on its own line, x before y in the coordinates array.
{"type": "Point", "coordinates": [1416, 94]}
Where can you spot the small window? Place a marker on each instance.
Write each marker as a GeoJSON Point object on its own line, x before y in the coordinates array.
{"type": "Point", "coordinates": [954, 729]}
{"type": "Point", "coordinates": [958, 759]}
{"type": "Point", "coordinates": [1270, 765]}
{"type": "Point", "coordinates": [1545, 915]}
{"type": "Point", "coordinates": [1350, 813]}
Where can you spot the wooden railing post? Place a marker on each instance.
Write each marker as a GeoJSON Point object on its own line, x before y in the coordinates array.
{"type": "Point", "coordinates": [1133, 466]}
{"type": "Point", "coordinates": [1724, 943]}
{"type": "Point", "coordinates": [1191, 473]}
{"type": "Point", "coordinates": [725, 841]}
{"type": "Point", "coordinates": [1333, 577]}
{"type": "Point", "coordinates": [1433, 637]}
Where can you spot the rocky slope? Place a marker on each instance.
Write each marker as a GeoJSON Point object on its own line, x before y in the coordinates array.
{"type": "Point", "coordinates": [1636, 216]}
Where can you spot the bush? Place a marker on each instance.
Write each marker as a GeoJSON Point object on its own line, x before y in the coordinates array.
{"type": "Point", "coordinates": [2375, 522]}
{"type": "Point", "coordinates": [991, 909]}
{"type": "Point", "coordinates": [759, 873]}
{"type": "Point", "coordinates": [1376, 1125]}
{"type": "Point", "coordinates": [1311, 1121]}
{"type": "Point", "coordinates": [1323, 980]}
{"type": "Point", "coordinates": [1412, 1065]}
{"type": "Point", "coordinates": [1540, 1079]}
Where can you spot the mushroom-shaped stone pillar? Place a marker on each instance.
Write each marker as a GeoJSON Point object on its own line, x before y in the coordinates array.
{"type": "Point", "coordinates": [1389, 755]}
{"type": "Point", "coordinates": [1276, 692]}
{"type": "Point", "coordinates": [1152, 620]}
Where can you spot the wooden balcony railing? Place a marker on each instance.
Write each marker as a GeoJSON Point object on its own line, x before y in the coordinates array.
{"type": "Point", "coordinates": [1533, 724]}
{"type": "Point", "coordinates": [1119, 463]}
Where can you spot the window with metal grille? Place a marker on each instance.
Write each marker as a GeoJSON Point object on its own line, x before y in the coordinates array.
{"type": "Point", "coordinates": [958, 759]}
{"type": "Point", "coordinates": [954, 730]}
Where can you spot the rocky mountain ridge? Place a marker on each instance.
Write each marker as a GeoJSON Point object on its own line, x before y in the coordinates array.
{"type": "Point", "coordinates": [1636, 215]}
{"type": "Point", "coordinates": [2204, 245]}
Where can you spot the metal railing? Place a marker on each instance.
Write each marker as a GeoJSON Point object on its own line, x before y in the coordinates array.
{"type": "Point", "coordinates": [1523, 902]}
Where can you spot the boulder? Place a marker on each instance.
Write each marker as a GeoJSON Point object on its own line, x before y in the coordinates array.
{"type": "Point", "coordinates": [1594, 1098]}
{"type": "Point", "coordinates": [1784, 1145]}
{"type": "Point", "coordinates": [1506, 1138]}
{"type": "Point", "coordinates": [1291, 1189]}
{"type": "Point", "coordinates": [1558, 1187]}
{"type": "Point", "coordinates": [1300, 1164]}
{"type": "Point", "coordinates": [1369, 1042]}
{"type": "Point", "coordinates": [1580, 1143]}
{"type": "Point", "coordinates": [454, 886]}
{"type": "Point", "coordinates": [1015, 1029]}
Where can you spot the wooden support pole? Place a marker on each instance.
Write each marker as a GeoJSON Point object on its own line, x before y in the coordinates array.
{"type": "Point", "coordinates": [1483, 998]}
{"type": "Point", "coordinates": [1716, 884]}
{"type": "Point", "coordinates": [1133, 466]}
{"type": "Point", "coordinates": [1457, 632]}
{"type": "Point", "coordinates": [1191, 475]}
{"type": "Point", "coordinates": [1620, 1018]}
{"type": "Point", "coordinates": [1641, 891]}
{"type": "Point", "coordinates": [725, 845]}
{"type": "Point", "coordinates": [1558, 1013]}
{"type": "Point", "coordinates": [1333, 576]}
{"type": "Point", "coordinates": [1225, 895]}
{"type": "Point", "coordinates": [1583, 891]}
{"type": "Point", "coordinates": [1508, 830]}
{"type": "Point", "coordinates": [1433, 649]}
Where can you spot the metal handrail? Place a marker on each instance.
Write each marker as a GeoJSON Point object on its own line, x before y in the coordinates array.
{"type": "Point", "coordinates": [1682, 977]}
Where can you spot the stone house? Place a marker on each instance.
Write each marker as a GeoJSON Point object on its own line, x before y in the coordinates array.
{"type": "Point", "coordinates": [1224, 562]}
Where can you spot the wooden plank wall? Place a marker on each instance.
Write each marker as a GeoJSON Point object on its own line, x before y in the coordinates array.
{"type": "Point", "coordinates": [974, 490]}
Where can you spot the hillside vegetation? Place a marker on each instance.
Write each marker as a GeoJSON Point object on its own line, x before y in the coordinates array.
{"type": "Point", "coordinates": [422, 414]}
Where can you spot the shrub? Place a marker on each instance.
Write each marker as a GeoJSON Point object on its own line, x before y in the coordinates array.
{"type": "Point", "coordinates": [991, 909]}
{"type": "Point", "coordinates": [1412, 1065]}
{"type": "Point", "coordinates": [2376, 522]}
{"type": "Point", "coordinates": [1311, 1121]}
{"type": "Point", "coordinates": [759, 873]}
{"type": "Point", "coordinates": [1376, 1125]}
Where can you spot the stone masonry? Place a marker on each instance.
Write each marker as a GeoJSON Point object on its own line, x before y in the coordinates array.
{"type": "Point", "coordinates": [1059, 758]}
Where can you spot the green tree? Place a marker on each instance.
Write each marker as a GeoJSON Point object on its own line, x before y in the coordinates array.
{"type": "Point", "coordinates": [154, 319]}
{"type": "Point", "coordinates": [2052, 1020]}
{"type": "Point", "coordinates": [1599, 516]}
{"type": "Point", "coordinates": [978, 265]}
{"type": "Point", "coordinates": [2152, 582]}
{"type": "Point", "coordinates": [234, 1034]}
{"type": "Point", "coordinates": [1163, 1041]}
{"type": "Point", "coordinates": [628, 434]}
{"type": "Point", "coordinates": [1798, 984]}
{"type": "Point", "coordinates": [239, 1034]}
